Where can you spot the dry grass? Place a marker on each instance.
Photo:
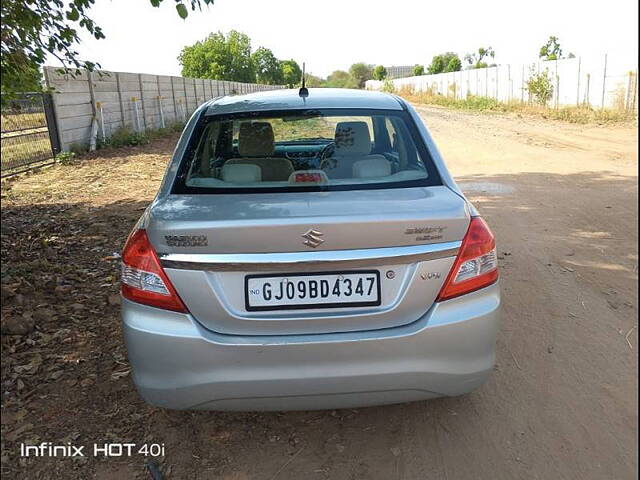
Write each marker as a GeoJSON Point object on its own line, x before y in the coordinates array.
{"type": "Point", "coordinates": [18, 121]}
{"type": "Point", "coordinates": [578, 114]}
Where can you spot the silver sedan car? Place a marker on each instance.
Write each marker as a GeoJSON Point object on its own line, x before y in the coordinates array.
{"type": "Point", "coordinates": [308, 251]}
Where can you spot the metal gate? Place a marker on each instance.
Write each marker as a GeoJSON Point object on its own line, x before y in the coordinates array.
{"type": "Point", "coordinates": [29, 133]}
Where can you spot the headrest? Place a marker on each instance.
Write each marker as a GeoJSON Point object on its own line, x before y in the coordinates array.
{"type": "Point", "coordinates": [352, 138]}
{"type": "Point", "coordinates": [371, 168]}
{"type": "Point", "coordinates": [255, 139]}
{"type": "Point", "coordinates": [241, 173]}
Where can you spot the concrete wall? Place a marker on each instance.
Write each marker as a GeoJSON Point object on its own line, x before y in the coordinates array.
{"type": "Point", "coordinates": [132, 100]}
{"type": "Point", "coordinates": [595, 81]}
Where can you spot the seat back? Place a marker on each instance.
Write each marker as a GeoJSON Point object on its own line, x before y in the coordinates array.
{"type": "Point", "coordinates": [374, 166]}
{"type": "Point", "coordinates": [352, 145]}
{"type": "Point", "coordinates": [256, 147]}
{"type": "Point", "coordinates": [240, 173]}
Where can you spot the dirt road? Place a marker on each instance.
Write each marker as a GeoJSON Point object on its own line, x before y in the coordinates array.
{"type": "Point", "coordinates": [561, 403]}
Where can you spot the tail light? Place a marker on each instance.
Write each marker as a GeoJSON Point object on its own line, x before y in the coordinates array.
{"type": "Point", "coordinates": [476, 265]}
{"type": "Point", "coordinates": [143, 279]}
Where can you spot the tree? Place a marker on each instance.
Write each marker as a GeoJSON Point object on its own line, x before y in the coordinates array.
{"type": "Point", "coordinates": [32, 29]}
{"type": "Point", "coordinates": [475, 59]}
{"type": "Point", "coordinates": [313, 81]}
{"type": "Point", "coordinates": [379, 73]}
{"type": "Point", "coordinates": [418, 70]}
{"type": "Point", "coordinates": [361, 72]}
{"type": "Point", "coordinates": [540, 86]}
{"type": "Point", "coordinates": [219, 57]}
{"type": "Point", "coordinates": [454, 65]}
{"type": "Point", "coordinates": [30, 80]}
{"type": "Point", "coordinates": [445, 62]}
{"type": "Point", "coordinates": [267, 67]}
{"type": "Point", "coordinates": [551, 50]}
{"type": "Point", "coordinates": [341, 79]}
{"type": "Point", "coordinates": [291, 73]}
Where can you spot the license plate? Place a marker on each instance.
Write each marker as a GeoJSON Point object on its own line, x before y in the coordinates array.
{"type": "Point", "coordinates": [312, 290]}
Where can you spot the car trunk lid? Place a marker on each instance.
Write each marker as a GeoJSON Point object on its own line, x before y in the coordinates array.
{"type": "Point", "coordinates": [210, 244]}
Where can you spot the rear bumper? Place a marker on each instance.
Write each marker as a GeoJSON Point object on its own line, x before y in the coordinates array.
{"type": "Point", "coordinates": [178, 364]}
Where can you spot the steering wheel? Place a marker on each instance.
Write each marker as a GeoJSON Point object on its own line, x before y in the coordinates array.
{"type": "Point", "coordinates": [322, 156]}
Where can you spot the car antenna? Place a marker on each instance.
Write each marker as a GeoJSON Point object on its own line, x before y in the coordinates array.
{"type": "Point", "coordinates": [304, 92]}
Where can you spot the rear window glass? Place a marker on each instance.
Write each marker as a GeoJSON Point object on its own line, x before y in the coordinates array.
{"type": "Point", "coordinates": [304, 150]}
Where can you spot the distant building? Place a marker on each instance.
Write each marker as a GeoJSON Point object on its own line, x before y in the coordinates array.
{"type": "Point", "coordinates": [400, 71]}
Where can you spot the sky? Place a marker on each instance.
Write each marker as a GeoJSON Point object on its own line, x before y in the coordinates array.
{"type": "Point", "coordinates": [332, 34]}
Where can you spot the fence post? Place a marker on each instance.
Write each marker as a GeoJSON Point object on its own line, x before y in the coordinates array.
{"type": "Point", "coordinates": [91, 93]}
{"type": "Point", "coordinates": [586, 96]}
{"type": "Point", "coordinates": [578, 93]}
{"type": "Point", "coordinates": [186, 102]}
{"type": "Point", "coordinates": [120, 99]}
{"type": "Point", "coordinates": [486, 82]}
{"type": "Point", "coordinates": [195, 93]}
{"type": "Point", "coordinates": [160, 102]}
{"type": "Point", "coordinates": [137, 112]}
{"type": "Point", "coordinates": [99, 107]}
{"type": "Point", "coordinates": [51, 114]}
{"type": "Point", "coordinates": [173, 96]}
{"type": "Point", "coordinates": [604, 79]}
{"type": "Point", "coordinates": [94, 122]}
{"type": "Point", "coordinates": [144, 114]}
{"type": "Point", "coordinates": [52, 120]}
{"type": "Point", "coordinates": [522, 86]}
{"type": "Point", "coordinates": [628, 92]}
{"type": "Point", "coordinates": [635, 87]}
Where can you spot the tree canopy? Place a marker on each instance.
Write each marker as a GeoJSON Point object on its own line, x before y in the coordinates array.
{"type": "Point", "coordinates": [33, 29]}
{"type": "Point", "coordinates": [219, 57]}
{"type": "Point", "coordinates": [476, 59]}
{"type": "Point", "coordinates": [340, 79]}
{"type": "Point", "coordinates": [291, 73]}
{"type": "Point", "coordinates": [418, 70]}
{"type": "Point", "coordinates": [552, 50]}
{"type": "Point", "coordinates": [267, 66]}
{"type": "Point", "coordinates": [379, 73]}
{"type": "Point", "coordinates": [445, 62]}
{"type": "Point", "coordinates": [361, 72]}
{"type": "Point", "coordinates": [230, 57]}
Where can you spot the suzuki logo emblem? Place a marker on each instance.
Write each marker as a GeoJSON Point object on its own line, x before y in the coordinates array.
{"type": "Point", "coordinates": [313, 238]}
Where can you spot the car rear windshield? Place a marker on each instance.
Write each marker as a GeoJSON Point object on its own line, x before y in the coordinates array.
{"type": "Point", "coordinates": [305, 150]}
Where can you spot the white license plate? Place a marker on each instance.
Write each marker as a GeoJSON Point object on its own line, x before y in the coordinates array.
{"type": "Point", "coordinates": [312, 290]}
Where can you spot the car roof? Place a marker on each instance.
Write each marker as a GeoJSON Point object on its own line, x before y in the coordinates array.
{"type": "Point", "coordinates": [290, 99]}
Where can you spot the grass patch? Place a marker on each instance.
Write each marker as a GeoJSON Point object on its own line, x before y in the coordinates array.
{"type": "Point", "coordinates": [19, 151]}
{"type": "Point", "coordinates": [126, 137]}
{"type": "Point", "coordinates": [10, 121]}
{"type": "Point", "coordinates": [578, 114]}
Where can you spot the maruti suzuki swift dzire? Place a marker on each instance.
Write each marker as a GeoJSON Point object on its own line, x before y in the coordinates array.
{"type": "Point", "coordinates": [308, 251]}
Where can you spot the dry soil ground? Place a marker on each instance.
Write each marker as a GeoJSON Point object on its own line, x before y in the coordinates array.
{"type": "Point", "coordinates": [562, 403]}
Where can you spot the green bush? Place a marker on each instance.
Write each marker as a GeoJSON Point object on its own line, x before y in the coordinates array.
{"type": "Point", "coordinates": [65, 158]}
{"type": "Point", "coordinates": [379, 73]}
{"type": "Point", "coordinates": [540, 87]}
{"type": "Point", "coordinates": [123, 137]}
{"type": "Point", "coordinates": [388, 86]}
